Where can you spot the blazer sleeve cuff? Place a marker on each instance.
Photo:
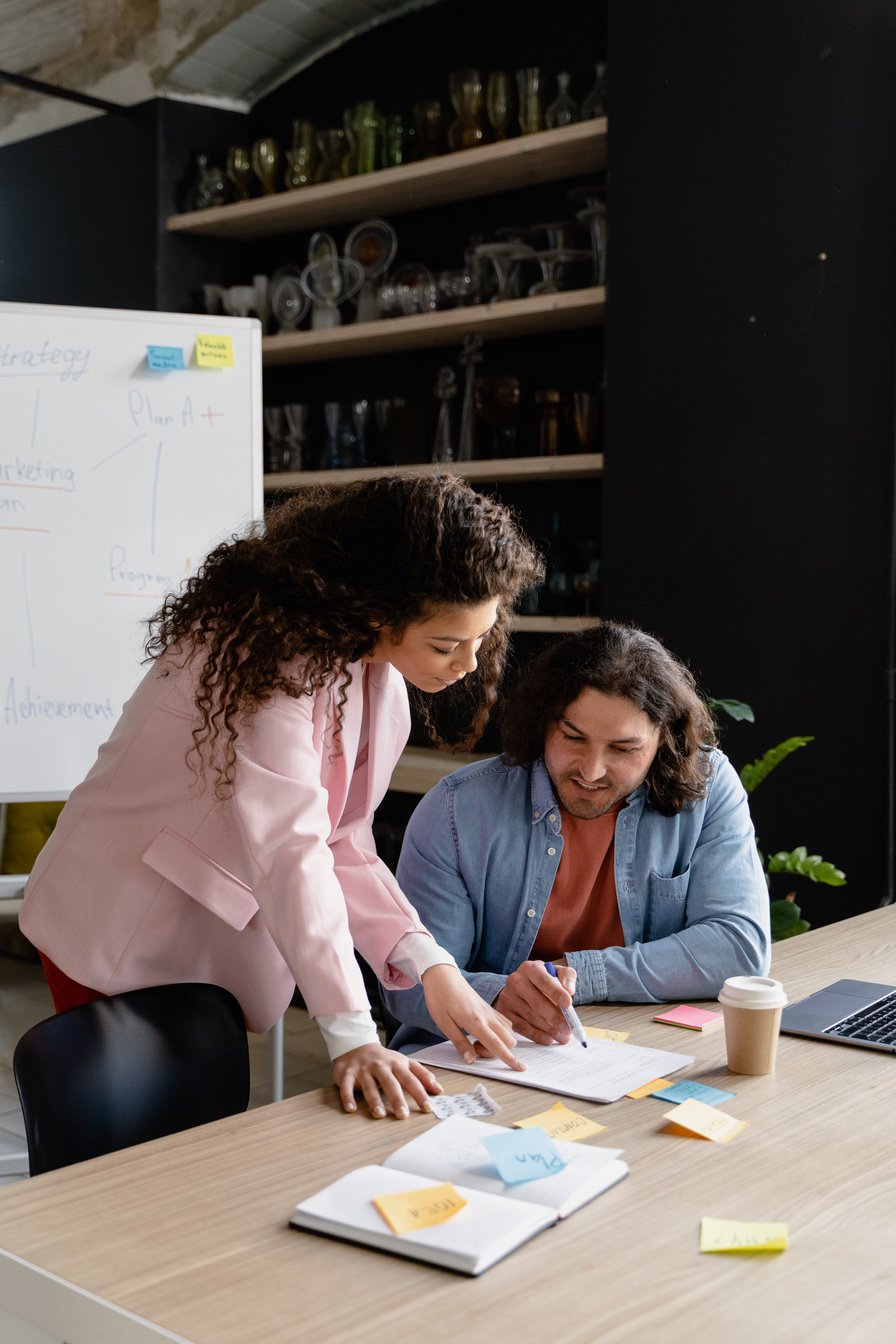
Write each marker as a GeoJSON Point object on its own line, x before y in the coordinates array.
{"type": "Point", "coordinates": [347, 1031]}
{"type": "Point", "coordinates": [414, 953]}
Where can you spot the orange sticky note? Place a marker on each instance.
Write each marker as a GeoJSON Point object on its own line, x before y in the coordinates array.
{"type": "Point", "coordinates": [738, 1238]}
{"type": "Point", "coordinates": [646, 1088]}
{"type": "Point", "coordinates": [559, 1122]}
{"type": "Point", "coordinates": [214, 352]}
{"type": "Point", "coordinates": [604, 1034]}
{"type": "Point", "coordinates": [409, 1209]}
{"type": "Point", "coordinates": [707, 1121]}
{"type": "Point", "coordinates": [695, 1019]}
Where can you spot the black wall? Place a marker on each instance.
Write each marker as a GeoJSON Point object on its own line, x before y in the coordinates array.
{"type": "Point", "coordinates": [749, 407]}
{"type": "Point", "coordinates": [78, 214]}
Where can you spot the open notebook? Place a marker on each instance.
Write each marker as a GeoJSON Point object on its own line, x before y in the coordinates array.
{"type": "Point", "coordinates": [497, 1218]}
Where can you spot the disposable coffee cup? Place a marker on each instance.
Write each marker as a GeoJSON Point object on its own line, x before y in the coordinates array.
{"type": "Point", "coordinates": [752, 1006]}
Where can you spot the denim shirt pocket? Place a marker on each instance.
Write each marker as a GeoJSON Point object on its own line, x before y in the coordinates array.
{"type": "Point", "coordinates": [666, 912]}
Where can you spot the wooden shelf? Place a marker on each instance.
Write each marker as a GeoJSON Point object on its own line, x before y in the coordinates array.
{"type": "Point", "coordinates": [421, 767]}
{"type": "Point", "coordinates": [554, 625]}
{"type": "Point", "coordinates": [546, 156]}
{"type": "Point", "coordinates": [512, 317]}
{"type": "Point", "coordinates": [567, 466]}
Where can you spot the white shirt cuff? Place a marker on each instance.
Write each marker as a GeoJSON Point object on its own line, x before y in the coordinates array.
{"type": "Point", "coordinates": [346, 1031]}
{"type": "Point", "coordinates": [414, 953]}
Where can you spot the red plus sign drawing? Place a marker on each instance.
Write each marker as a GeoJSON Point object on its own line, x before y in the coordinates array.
{"type": "Point", "coordinates": [210, 416]}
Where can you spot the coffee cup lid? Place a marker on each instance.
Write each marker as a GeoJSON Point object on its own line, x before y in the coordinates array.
{"type": "Point", "coordinates": [752, 991]}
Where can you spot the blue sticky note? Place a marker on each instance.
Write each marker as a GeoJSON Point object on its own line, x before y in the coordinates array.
{"type": "Point", "coordinates": [524, 1155]}
{"type": "Point", "coordinates": [165, 357]}
{"type": "Point", "coordinates": [688, 1088]}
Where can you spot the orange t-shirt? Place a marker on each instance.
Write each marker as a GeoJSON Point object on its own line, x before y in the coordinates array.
{"type": "Point", "coordinates": [582, 911]}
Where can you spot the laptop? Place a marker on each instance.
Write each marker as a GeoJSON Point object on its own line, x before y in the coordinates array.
{"type": "Point", "coordinates": [853, 1012]}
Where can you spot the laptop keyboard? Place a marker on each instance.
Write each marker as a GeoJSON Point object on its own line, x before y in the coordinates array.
{"type": "Point", "coordinates": [876, 1023]}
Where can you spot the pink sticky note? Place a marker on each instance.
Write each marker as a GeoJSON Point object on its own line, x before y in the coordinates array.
{"type": "Point", "coordinates": [695, 1019]}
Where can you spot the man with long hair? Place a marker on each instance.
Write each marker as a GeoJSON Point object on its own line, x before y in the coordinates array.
{"type": "Point", "coordinates": [611, 838]}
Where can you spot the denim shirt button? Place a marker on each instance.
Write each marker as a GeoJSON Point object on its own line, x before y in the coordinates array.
{"type": "Point", "coordinates": [552, 817]}
{"type": "Point", "coordinates": [530, 914]}
{"type": "Point", "coordinates": [552, 850]}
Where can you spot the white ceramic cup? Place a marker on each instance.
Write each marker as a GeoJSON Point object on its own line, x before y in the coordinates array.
{"type": "Point", "coordinates": [752, 1006]}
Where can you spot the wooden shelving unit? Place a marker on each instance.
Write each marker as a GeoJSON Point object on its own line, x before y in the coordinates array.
{"type": "Point", "coordinates": [548, 156]}
{"type": "Point", "coordinates": [513, 317]}
{"type": "Point", "coordinates": [568, 466]}
{"type": "Point", "coordinates": [421, 767]}
{"type": "Point", "coordinates": [527, 160]}
{"type": "Point", "coordinates": [553, 625]}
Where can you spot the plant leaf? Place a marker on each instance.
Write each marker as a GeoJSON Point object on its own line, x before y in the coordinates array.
{"type": "Point", "coordinates": [785, 920]}
{"type": "Point", "coordinates": [751, 776]}
{"type": "Point", "coordinates": [735, 709]}
{"type": "Point", "coordinates": [808, 865]}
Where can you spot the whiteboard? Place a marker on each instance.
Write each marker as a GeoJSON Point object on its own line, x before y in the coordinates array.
{"type": "Point", "coordinates": [119, 471]}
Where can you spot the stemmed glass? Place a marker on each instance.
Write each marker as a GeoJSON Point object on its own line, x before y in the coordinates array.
{"type": "Point", "coordinates": [266, 163]}
{"type": "Point", "coordinates": [444, 390]}
{"type": "Point", "coordinates": [595, 216]}
{"type": "Point", "coordinates": [551, 259]}
{"type": "Point", "coordinates": [586, 585]}
{"type": "Point", "coordinates": [498, 101]}
{"type": "Point", "coordinates": [274, 437]}
{"type": "Point", "coordinates": [332, 144]}
{"type": "Point", "coordinates": [296, 416]}
{"type": "Point", "coordinates": [586, 580]}
{"type": "Point", "coordinates": [505, 258]}
{"type": "Point", "coordinates": [239, 170]}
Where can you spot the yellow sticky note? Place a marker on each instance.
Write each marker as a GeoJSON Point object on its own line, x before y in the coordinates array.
{"type": "Point", "coordinates": [707, 1121]}
{"type": "Point", "coordinates": [408, 1209]}
{"type": "Point", "coordinates": [733, 1236]}
{"type": "Point", "coordinates": [559, 1122]}
{"type": "Point", "coordinates": [214, 352]}
{"type": "Point", "coordinates": [646, 1088]}
{"type": "Point", "coordinates": [602, 1034]}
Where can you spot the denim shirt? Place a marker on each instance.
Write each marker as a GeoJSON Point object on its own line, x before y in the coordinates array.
{"type": "Point", "coordinates": [479, 859]}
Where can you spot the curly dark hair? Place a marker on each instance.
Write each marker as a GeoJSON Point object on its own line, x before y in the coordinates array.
{"type": "Point", "coordinates": [618, 660]}
{"type": "Point", "coordinates": [312, 585]}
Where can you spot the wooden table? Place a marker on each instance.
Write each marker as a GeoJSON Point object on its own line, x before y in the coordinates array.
{"type": "Point", "coordinates": [187, 1238]}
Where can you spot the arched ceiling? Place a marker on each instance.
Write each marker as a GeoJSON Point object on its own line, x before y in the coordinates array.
{"type": "Point", "coordinates": [125, 51]}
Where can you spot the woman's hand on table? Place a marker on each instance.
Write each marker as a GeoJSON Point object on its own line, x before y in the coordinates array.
{"type": "Point", "coordinates": [383, 1077]}
{"type": "Point", "coordinates": [473, 1027]}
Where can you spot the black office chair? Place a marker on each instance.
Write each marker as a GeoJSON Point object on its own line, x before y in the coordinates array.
{"type": "Point", "coordinates": [129, 1068]}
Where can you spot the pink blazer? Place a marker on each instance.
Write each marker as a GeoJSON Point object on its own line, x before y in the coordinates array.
{"type": "Point", "coordinates": [148, 878]}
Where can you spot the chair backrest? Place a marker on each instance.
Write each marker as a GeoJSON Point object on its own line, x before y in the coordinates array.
{"type": "Point", "coordinates": [129, 1068]}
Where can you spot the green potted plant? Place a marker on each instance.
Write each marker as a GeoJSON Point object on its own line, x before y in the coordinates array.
{"type": "Point", "coordinates": [786, 917]}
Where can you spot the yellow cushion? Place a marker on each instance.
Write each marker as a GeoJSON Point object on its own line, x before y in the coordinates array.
{"type": "Point", "coordinates": [28, 827]}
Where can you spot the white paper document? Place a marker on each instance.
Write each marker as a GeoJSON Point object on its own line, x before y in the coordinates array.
{"type": "Point", "coordinates": [603, 1072]}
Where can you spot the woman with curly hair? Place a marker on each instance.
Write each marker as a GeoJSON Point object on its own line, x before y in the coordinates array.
{"type": "Point", "coordinates": [224, 832]}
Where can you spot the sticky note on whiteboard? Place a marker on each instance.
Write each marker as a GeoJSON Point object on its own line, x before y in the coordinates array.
{"type": "Point", "coordinates": [165, 357]}
{"type": "Point", "coordinates": [214, 352]}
